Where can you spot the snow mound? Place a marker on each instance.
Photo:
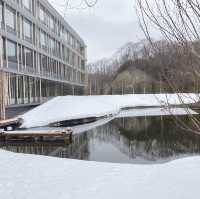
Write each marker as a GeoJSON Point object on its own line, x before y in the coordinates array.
{"type": "Point", "coordinates": [155, 112]}
{"type": "Point", "coordinates": [79, 107]}
{"type": "Point", "coordinates": [29, 176]}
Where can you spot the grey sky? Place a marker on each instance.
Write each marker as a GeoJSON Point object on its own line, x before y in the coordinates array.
{"type": "Point", "coordinates": [106, 27]}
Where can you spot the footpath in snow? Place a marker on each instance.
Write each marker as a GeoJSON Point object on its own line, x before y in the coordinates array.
{"type": "Point", "coordinates": [30, 176]}
{"type": "Point", "coordinates": [79, 107]}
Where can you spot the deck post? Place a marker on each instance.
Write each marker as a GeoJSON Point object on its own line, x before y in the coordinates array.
{"type": "Point", "coordinates": [3, 94]}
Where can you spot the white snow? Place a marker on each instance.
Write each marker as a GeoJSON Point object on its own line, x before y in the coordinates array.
{"type": "Point", "coordinates": [155, 112]}
{"type": "Point", "coordinates": [135, 112]}
{"type": "Point", "coordinates": [78, 107]}
{"type": "Point", "coordinates": [29, 176]}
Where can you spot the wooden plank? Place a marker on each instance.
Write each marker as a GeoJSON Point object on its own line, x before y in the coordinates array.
{"type": "Point", "coordinates": [14, 122]}
{"type": "Point", "coordinates": [23, 135]}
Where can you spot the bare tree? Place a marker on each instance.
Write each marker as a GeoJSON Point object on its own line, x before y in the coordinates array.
{"type": "Point", "coordinates": [81, 4]}
{"type": "Point", "coordinates": [178, 21]}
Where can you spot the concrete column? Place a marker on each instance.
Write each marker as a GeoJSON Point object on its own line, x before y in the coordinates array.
{"type": "Point", "coordinates": [3, 94]}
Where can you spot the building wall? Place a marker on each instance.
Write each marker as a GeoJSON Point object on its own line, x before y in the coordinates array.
{"type": "Point", "coordinates": [40, 53]}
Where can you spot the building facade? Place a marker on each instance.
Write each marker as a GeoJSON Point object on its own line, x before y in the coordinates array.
{"type": "Point", "coordinates": [41, 55]}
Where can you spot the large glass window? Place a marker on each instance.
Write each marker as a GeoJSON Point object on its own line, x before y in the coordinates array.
{"type": "Point", "coordinates": [29, 58]}
{"type": "Point", "coordinates": [11, 51]}
{"type": "Point", "coordinates": [51, 23]}
{"type": "Point", "coordinates": [27, 29]}
{"type": "Point", "coordinates": [44, 64]}
{"type": "Point", "coordinates": [67, 55]}
{"type": "Point", "coordinates": [10, 19]}
{"type": "Point", "coordinates": [27, 4]}
{"type": "Point", "coordinates": [43, 40]}
{"type": "Point", "coordinates": [1, 15]}
{"type": "Point", "coordinates": [42, 14]}
{"type": "Point", "coordinates": [65, 35]}
{"type": "Point", "coordinates": [52, 44]}
{"type": "Point", "coordinates": [4, 50]}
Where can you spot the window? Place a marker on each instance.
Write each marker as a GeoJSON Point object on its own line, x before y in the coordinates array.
{"type": "Point", "coordinates": [43, 40]}
{"type": "Point", "coordinates": [11, 51]}
{"type": "Point", "coordinates": [29, 57]}
{"type": "Point", "coordinates": [82, 64]}
{"type": "Point", "coordinates": [42, 14]}
{"type": "Point", "coordinates": [44, 63]}
{"type": "Point", "coordinates": [27, 4]}
{"type": "Point", "coordinates": [4, 49]}
{"type": "Point", "coordinates": [52, 44]}
{"type": "Point", "coordinates": [10, 19]}
{"type": "Point", "coordinates": [65, 35]}
{"type": "Point", "coordinates": [51, 23]}
{"type": "Point", "coordinates": [72, 59]}
{"type": "Point", "coordinates": [1, 15]}
{"type": "Point", "coordinates": [27, 30]}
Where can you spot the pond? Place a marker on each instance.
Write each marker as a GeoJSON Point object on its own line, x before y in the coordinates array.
{"type": "Point", "coordinates": [136, 140]}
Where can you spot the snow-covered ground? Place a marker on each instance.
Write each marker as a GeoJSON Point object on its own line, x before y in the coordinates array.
{"type": "Point", "coordinates": [29, 176]}
{"type": "Point", "coordinates": [77, 107]}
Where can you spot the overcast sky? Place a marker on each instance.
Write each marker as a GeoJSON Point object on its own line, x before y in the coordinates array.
{"type": "Point", "coordinates": [104, 28]}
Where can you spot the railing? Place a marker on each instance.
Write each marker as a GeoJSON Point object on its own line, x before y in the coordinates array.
{"type": "Point", "coordinates": [29, 70]}
{"type": "Point", "coordinates": [11, 30]}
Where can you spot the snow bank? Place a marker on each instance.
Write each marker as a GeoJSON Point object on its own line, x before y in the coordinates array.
{"type": "Point", "coordinates": [78, 107]}
{"type": "Point", "coordinates": [155, 112]}
{"type": "Point", "coordinates": [29, 176]}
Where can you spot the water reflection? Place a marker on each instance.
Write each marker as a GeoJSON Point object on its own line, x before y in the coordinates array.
{"type": "Point", "coordinates": [139, 140]}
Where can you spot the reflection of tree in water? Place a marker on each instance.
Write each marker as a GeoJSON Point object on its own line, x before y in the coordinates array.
{"type": "Point", "coordinates": [148, 139]}
{"type": "Point", "coordinates": [78, 149]}
{"type": "Point", "coordinates": [157, 137]}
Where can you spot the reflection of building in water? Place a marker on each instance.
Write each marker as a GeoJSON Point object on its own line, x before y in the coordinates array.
{"type": "Point", "coordinates": [32, 148]}
{"type": "Point", "coordinates": [150, 139]}
{"type": "Point", "coordinates": [78, 149]}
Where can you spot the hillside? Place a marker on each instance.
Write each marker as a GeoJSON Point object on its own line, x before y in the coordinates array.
{"type": "Point", "coordinates": [142, 68]}
{"type": "Point", "coordinates": [129, 51]}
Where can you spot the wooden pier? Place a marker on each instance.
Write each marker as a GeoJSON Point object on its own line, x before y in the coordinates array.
{"type": "Point", "coordinates": [66, 135]}
{"type": "Point", "coordinates": [11, 124]}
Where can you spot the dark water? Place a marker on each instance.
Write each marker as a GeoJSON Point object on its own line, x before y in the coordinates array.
{"type": "Point", "coordinates": [141, 140]}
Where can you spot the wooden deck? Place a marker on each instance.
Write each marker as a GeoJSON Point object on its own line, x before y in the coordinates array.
{"type": "Point", "coordinates": [66, 135]}
{"type": "Point", "coordinates": [10, 123]}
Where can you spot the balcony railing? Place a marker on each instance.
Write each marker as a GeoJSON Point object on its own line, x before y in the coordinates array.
{"type": "Point", "coordinates": [11, 30]}
{"type": "Point", "coordinates": [29, 70]}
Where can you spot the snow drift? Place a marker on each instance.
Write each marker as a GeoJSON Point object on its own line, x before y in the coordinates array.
{"type": "Point", "coordinates": [79, 107]}
{"type": "Point", "coordinates": [30, 176]}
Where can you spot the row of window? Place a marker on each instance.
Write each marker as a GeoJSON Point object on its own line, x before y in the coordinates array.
{"type": "Point", "coordinates": [14, 23]}
{"type": "Point", "coordinates": [51, 22]}
{"type": "Point", "coordinates": [27, 90]}
{"type": "Point", "coordinates": [53, 47]}
{"type": "Point", "coordinates": [25, 59]}
{"type": "Point", "coordinates": [47, 43]}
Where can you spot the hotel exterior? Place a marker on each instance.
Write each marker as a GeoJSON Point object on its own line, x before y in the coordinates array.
{"type": "Point", "coordinates": [41, 56]}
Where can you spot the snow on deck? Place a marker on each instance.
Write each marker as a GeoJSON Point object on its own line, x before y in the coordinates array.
{"type": "Point", "coordinates": [30, 176]}
{"type": "Point", "coordinates": [79, 107]}
{"type": "Point", "coordinates": [155, 112]}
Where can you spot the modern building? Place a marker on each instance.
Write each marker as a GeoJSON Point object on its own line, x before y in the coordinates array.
{"type": "Point", "coordinates": [41, 55]}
